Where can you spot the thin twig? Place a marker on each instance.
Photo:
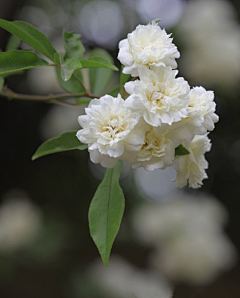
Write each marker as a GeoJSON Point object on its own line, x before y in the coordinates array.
{"type": "Point", "coordinates": [51, 98]}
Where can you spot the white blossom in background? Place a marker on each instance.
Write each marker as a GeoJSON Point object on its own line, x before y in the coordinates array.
{"type": "Point", "coordinates": [179, 213]}
{"type": "Point", "coordinates": [147, 46]}
{"type": "Point", "coordinates": [20, 223]}
{"type": "Point", "coordinates": [211, 40]}
{"type": "Point", "coordinates": [195, 259]}
{"type": "Point", "coordinates": [60, 119]}
{"type": "Point", "coordinates": [159, 96]}
{"type": "Point", "coordinates": [187, 235]}
{"type": "Point", "coordinates": [157, 152]}
{"type": "Point", "coordinates": [191, 168]}
{"type": "Point", "coordinates": [111, 130]}
{"type": "Point", "coordinates": [122, 280]}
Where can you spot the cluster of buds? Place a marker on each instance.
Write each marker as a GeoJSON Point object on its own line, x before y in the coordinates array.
{"type": "Point", "coordinates": [162, 122]}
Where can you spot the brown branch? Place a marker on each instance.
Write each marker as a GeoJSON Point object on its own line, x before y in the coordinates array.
{"type": "Point", "coordinates": [51, 98]}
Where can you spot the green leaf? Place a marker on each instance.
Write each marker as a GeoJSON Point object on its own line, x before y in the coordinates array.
{"type": "Point", "coordinates": [97, 62]}
{"type": "Point", "coordinates": [1, 83]}
{"type": "Point", "coordinates": [114, 92]}
{"type": "Point", "coordinates": [106, 211]}
{"type": "Point", "coordinates": [124, 77]}
{"type": "Point", "coordinates": [31, 36]}
{"type": "Point", "coordinates": [13, 61]}
{"type": "Point", "coordinates": [65, 142]}
{"type": "Point", "coordinates": [13, 43]}
{"type": "Point", "coordinates": [180, 150]}
{"type": "Point", "coordinates": [73, 45]}
{"type": "Point", "coordinates": [100, 77]}
{"type": "Point", "coordinates": [72, 85]}
{"type": "Point", "coordinates": [68, 66]}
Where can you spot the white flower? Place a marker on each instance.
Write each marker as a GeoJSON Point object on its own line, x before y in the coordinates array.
{"type": "Point", "coordinates": [157, 152]}
{"type": "Point", "coordinates": [158, 96]}
{"type": "Point", "coordinates": [110, 130]}
{"type": "Point", "coordinates": [200, 118]}
{"type": "Point", "coordinates": [147, 46]}
{"type": "Point", "coordinates": [191, 168]}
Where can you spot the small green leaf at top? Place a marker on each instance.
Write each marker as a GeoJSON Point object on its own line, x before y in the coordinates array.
{"type": "Point", "coordinates": [31, 36]}
{"type": "Point", "coordinates": [65, 142]}
{"type": "Point", "coordinates": [68, 66]}
{"type": "Point", "coordinates": [72, 85]}
{"type": "Point", "coordinates": [14, 61]}
{"type": "Point", "coordinates": [106, 212]}
{"type": "Point", "coordinates": [1, 83]}
{"type": "Point", "coordinates": [180, 150]}
{"type": "Point", "coordinates": [73, 45]}
{"type": "Point", "coordinates": [97, 62]}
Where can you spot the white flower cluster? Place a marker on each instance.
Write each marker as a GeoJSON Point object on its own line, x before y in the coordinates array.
{"type": "Point", "coordinates": [160, 114]}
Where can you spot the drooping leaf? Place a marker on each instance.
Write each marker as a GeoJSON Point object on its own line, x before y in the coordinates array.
{"type": "Point", "coordinates": [68, 66]}
{"type": "Point", "coordinates": [124, 77]}
{"type": "Point", "coordinates": [106, 211]}
{"type": "Point", "coordinates": [73, 45]}
{"type": "Point", "coordinates": [31, 36]}
{"type": "Point", "coordinates": [97, 62]}
{"type": "Point", "coordinates": [100, 77]}
{"type": "Point", "coordinates": [13, 61]}
{"type": "Point", "coordinates": [13, 43]}
{"type": "Point", "coordinates": [72, 85]}
{"type": "Point", "coordinates": [180, 150]}
{"type": "Point", "coordinates": [65, 142]}
{"type": "Point", "coordinates": [1, 83]}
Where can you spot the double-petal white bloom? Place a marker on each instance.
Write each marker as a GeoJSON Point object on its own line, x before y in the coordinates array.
{"type": "Point", "coordinates": [191, 167]}
{"type": "Point", "coordinates": [201, 115]}
{"type": "Point", "coordinates": [110, 130]}
{"type": "Point", "coordinates": [159, 96]}
{"type": "Point", "coordinates": [149, 46]}
{"type": "Point", "coordinates": [157, 152]}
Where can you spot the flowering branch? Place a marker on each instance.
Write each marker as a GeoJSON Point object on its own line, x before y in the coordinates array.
{"type": "Point", "coordinates": [51, 98]}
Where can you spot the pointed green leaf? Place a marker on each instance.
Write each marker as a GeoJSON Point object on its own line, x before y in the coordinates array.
{"type": "Point", "coordinates": [13, 43]}
{"type": "Point", "coordinates": [68, 66]}
{"type": "Point", "coordinates": [72, 85]}
{"type": "Point", "coordinates": [180, 150]}
{"type": "Point", "coordinates": [97, 62]}
{"type": "Point", "coordinates": [124, 77]}
{"type": "Point", "coordinates": [106, 211]}
{"type": "Point", "coordinates": [65, 142]}
{"type": "Point", "coordinates": [31, 36]}
{"type": "Point", "coordinates": [13, 61]}
{"type": "Point", "coordinates": [1, 83]}
{"type": "Point", "coordinates": [100, 77]}
{"type": "Point", "coordinates": [73, 45]}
